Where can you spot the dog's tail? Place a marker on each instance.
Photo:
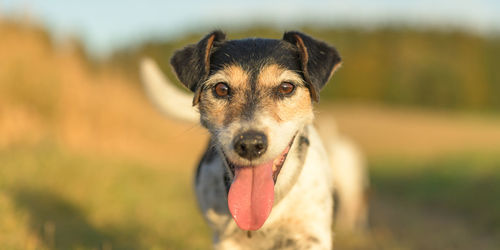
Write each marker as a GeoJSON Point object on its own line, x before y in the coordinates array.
{"type": "Point", "coordinates": [168, 99]}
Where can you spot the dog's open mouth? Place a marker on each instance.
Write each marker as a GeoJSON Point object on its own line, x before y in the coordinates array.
{"type": "Point", "coordinates": [276, 167]}
{"type": "Point", "coordinates": [251, 195]}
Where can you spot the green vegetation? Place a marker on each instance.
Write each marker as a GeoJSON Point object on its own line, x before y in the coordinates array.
{"type": "Point", "coordinates": [55, 200]}
{"type": "Point", "coordinates": [52, 199]}
{"type": "Point", "coordinates": [433, 69]}
{"type": "Point", "coordinates": [467, 184]}
{"type": "Point", "coordinates": [87, 163]}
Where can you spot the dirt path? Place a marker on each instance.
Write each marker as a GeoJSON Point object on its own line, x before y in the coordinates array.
{"type": "Point", "coordinates": [383, 131]}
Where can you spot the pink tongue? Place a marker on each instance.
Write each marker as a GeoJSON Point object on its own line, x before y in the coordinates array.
{"type": "Point", "coordinates": [251, 195]}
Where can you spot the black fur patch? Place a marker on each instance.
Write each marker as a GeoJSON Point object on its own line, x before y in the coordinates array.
{"type": "Point", "coordinates": [227, 181]}
{"type": "Point", "coordinates": [314, 60]}
{"type": "Point", "coordinates": [254, 53]}
{"type": "Point", "coordinates": [207, 157]}
{"type": "Point", "coordinates": [192, 63]}
{"type": "Point", "coordinates": [303, 146]}
{"type": "Point", "coordinates": [318, 60]}
{"type": "Point", "coordinates": [303, 140]}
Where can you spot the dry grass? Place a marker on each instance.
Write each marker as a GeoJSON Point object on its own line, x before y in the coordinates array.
{"type": "Point", "coordinates": [383, 131]}
{"type": "Point", "coordinates": [86, 162]}
{"type": "Point", "coordinates": [48, 94]}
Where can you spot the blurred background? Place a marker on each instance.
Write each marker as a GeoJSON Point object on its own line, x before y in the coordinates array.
{"type": "Point", "coordinates": [86, 162]}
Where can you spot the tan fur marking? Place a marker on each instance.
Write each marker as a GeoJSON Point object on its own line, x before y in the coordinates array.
{"type": "Point", "coordinates": [233, 75]}
{"type": "Point", "coordinates": [237, 79]}
{"type": "Point", "coordinates": [269, 75]}
{"type": "Point", "coordinates": [196, 98]}
{"type": "Point", "coordinates": [237, 76]}
{"type": "Point", "coordinates": [239, 84]}
{"type": "Point", "coordinates": [304, 55]}
{"type": "Point", "coordinates": [294, 107]}
{"type": "Point", "coordinates": [303, 51]}
{"type": "Point", "coordinates": [335, 68]}
{"type": "Point", "coordinates": [272, 75]}
{"type": "Point", "coordinates": [210, 43]}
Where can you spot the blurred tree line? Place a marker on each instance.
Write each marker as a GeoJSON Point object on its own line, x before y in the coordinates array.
{"type": "Point", "coordinates": [398, 66]}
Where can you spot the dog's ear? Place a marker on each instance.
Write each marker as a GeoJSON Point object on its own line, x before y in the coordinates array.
{"type": "Point", "coordinates": [192, 63]}
{"type": "Point", "coordinates": [318, 59]}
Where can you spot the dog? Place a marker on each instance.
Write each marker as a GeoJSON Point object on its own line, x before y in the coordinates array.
{"type": "Point", "coordinates": [266, 179]}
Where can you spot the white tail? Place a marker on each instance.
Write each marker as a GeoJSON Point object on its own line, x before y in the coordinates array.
{"type": "Point", "coordinates": [168, 99]}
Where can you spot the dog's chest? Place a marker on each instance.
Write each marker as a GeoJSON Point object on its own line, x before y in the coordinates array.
{"type": "Point", "coordinates": [292, 225]}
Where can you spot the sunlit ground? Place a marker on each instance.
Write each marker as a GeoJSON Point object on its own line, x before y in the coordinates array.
{"type": "Point", "coordinates": [50, 198]}
{"type": "Point", "coordinates": [86, 163]}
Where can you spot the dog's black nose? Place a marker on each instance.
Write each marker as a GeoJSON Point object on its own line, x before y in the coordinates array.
{"type": "Point", "coordinates": [250, 145]}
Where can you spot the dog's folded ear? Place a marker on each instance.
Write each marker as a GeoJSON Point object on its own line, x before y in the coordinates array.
{"type": "Point", "coordinates": [318, 59]}
{"type": "Point", "coordinates": [192, 63]}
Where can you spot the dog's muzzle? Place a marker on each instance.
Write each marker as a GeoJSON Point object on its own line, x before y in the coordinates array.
{"type": "Point", "coordinates": [251, 194]}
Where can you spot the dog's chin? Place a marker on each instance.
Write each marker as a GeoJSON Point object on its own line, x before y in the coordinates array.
{"type": "Point", "coordinates": [277, 161]}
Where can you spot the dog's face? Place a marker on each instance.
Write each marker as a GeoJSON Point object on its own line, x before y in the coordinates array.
{"type": "Point", "coordinates": [254, 95]}
{"type": "Point", "coordinates": [262, 99]}
{"type": "Point", "coordinates": [257, 90]}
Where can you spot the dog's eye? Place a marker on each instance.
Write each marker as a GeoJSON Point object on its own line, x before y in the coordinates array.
{"type": "Point", "coordinates": [286, 88]}
{"type": "Point", "coordinates": [221, 89]}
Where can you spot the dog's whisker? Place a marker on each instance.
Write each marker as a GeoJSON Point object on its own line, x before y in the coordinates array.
{"type": "Point", "coordinates": [256, 96]}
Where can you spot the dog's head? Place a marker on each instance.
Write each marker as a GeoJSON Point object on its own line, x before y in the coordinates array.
{"type": "Point", "coordinates": [254, 95]}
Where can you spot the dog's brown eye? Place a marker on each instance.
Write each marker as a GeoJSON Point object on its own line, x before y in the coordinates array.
{"type": "Point", "coordinates": [221, 89]}
{"type": "Point", "coordinates": [286, 88]}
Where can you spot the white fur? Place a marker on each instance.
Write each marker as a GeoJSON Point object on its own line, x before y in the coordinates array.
{"type": "Point", "coordinates": [350, 177]}
{"type": "Point", "coordinates": [351, 182]}
{"type": "Point", "coordinates": [298, 185]}
{"type": "Point", "coordinates": [279, 136]}
{"type": "Point", "coordinates": [292, 216]}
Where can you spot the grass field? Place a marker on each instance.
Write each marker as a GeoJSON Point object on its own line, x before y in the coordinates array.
{"type": "Point", "coordinates": [53, 199]}
{"type": "Point", "coordinates": [87, 163]}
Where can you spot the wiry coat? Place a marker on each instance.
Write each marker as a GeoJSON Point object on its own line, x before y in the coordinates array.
{"type": "Point", "coordinates": [253, 71]}
{"type": "Point", "coordinates": [300, 219]}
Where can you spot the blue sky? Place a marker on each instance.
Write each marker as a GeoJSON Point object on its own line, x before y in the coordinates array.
{"type": "Point", "coordinates": [108, 24]}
